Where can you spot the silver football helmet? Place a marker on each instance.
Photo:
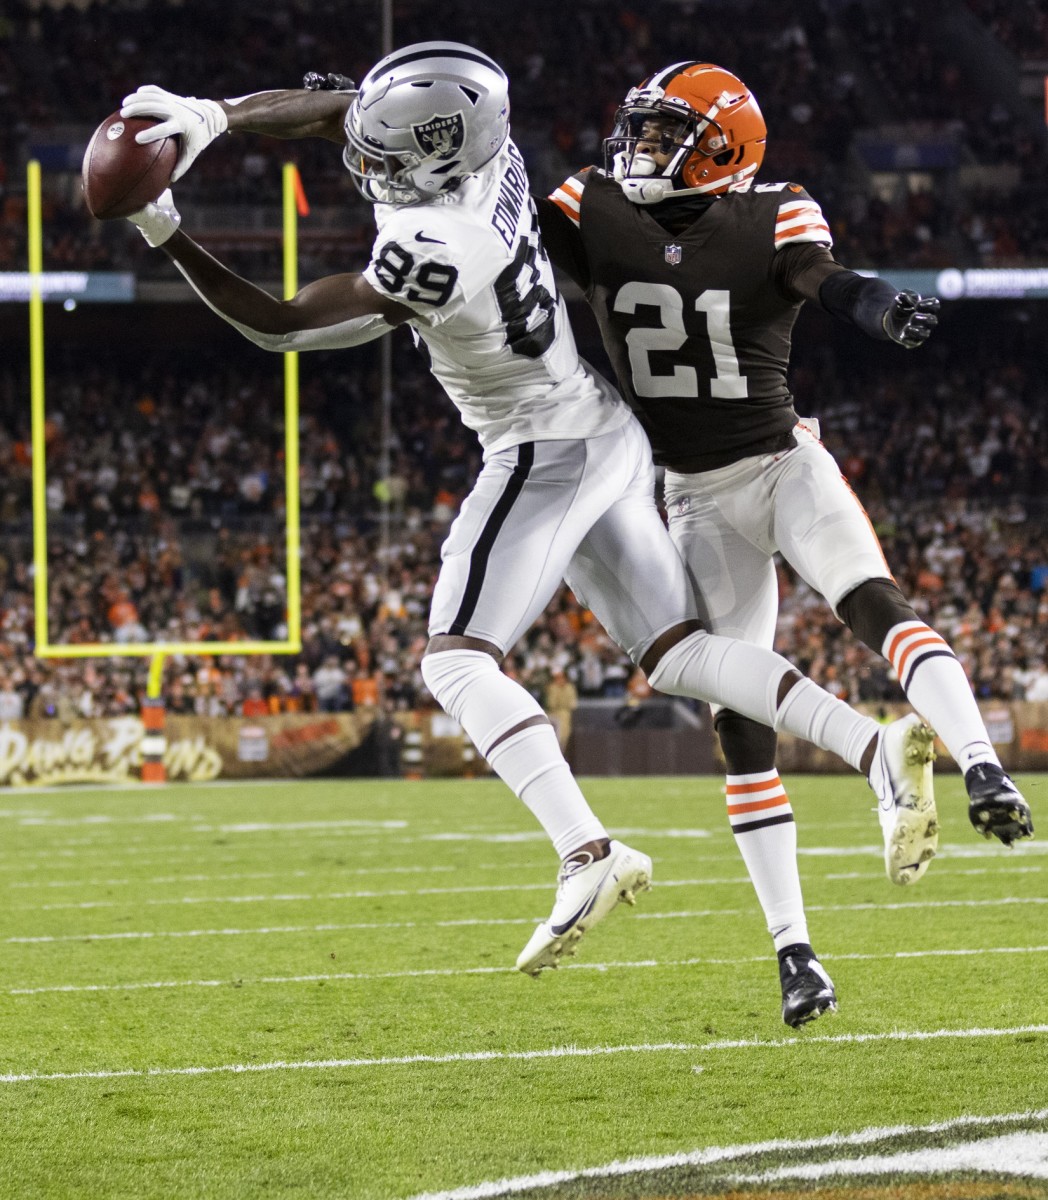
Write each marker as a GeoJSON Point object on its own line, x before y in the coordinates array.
{"type": "Point", "coordinates": [424, 118]}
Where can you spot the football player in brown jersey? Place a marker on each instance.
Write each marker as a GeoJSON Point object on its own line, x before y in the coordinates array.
{"type": "Point", "coordinates": [696, 275]}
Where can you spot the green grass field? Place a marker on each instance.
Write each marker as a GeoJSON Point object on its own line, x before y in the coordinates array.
{"type": "Point", "coordinates": [307, 990]}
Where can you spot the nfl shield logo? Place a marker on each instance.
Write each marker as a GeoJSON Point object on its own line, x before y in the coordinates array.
{"type": "Point", "coordinates": [673, 253]}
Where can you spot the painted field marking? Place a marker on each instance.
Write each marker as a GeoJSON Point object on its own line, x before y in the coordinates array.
{"type": "Point", "coordinates": [52, 822]}
{"type": "Point", "coordinates": [451, 972]}
{"type": "Point", "coordinates": [465, 889]}
{"type": "Point", "coordinates": [1023, 1154]}
{"type": "Point", "coordinates": [339, 1063]}
{"type": "Point", "coordinates": [718, 1154]}
{"type": "Point", "coordinates": [688, 914]}
{"type": "Point", "coordinates": [515, 1055]}
{"type": "Point", "coordinates": [445, 868]}
{"type": "Point", "coordinates": [426, 869]}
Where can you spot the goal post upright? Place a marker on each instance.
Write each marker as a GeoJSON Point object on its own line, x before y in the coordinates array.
{"type": "Point", "coordinates": [155, 650]}
{"type": "Point", "coordinates": [292, 191]}
{"type": "Point", "coordinates": [36, 399]}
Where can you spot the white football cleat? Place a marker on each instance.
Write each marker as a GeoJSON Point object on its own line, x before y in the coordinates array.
{"type": "Point", "coordinates": [586, 893]}
{"type": "Point", "coordinates": [901, 778]}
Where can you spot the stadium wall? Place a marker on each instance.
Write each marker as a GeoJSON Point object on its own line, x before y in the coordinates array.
{"type": "Point", "coordinates": [415, 745]}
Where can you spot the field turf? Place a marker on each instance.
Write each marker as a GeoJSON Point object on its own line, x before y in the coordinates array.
{"type": "Point", "coordinates": [307, 990]}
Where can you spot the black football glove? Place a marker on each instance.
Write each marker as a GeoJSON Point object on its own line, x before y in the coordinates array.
{"type": "Point", "coordinates": [910, 319]}
{"type": "Point", "coordinates": [313, 81]}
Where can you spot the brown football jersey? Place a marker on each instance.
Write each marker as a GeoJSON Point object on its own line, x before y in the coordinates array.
{"type": "Point", "coordinates": [697, 324]}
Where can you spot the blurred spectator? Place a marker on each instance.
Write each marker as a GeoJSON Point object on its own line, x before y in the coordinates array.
{"type": "Point", "coordinates": [560, 701]}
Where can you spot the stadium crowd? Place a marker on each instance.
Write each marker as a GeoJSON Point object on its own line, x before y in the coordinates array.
{"type": "Point", "coordinates": [165, 468]}
{"type": "Point", "coordinates": [166, 498]}
{"type": "Point", "coordinates": [829, 76]}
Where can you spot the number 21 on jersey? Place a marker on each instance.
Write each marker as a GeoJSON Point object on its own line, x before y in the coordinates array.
{"type": "Point", "coordinates": [727, 384]}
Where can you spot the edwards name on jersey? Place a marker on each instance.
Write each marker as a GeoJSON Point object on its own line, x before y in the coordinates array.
{"type": "Point", "coordinates": [697, 323]}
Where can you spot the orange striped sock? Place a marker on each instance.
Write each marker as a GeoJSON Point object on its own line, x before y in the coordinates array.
{"type": "Point", "coordinates": [761, 819]}
{"type": "Point", "coordinates": [936, 686]}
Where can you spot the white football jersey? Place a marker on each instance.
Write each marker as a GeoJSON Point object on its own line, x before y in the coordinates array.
{"type": "Point", "coordinates": [471, 266]}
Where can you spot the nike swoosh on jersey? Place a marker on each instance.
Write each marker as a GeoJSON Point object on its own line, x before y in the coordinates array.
{"type": "Point", "coordinates": [421, 237]}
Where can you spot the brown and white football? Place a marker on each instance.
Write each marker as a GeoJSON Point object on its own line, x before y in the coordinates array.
{"type": "Point", "coordinates": [119, 175]}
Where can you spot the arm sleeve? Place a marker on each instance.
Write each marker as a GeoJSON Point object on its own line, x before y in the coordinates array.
{"type": "Point", "coordinates": [563, 241]}
{"type": "Point", "coordinates": [810, 272]}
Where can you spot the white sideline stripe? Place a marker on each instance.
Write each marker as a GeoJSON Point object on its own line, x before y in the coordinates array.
{"type": "Point", "coordinates": [687, 914]}
{"type": "Point", "coordinates": [335, 1063]}
{"type": "Point", "coordinates": [447, 972]}
{"type": "Point", "coordinates": [716, 1154]}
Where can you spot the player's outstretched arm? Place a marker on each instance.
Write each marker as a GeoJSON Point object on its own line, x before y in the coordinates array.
{"type": "Point", "coordinates": [812, 273]}
{"type": "Point", "coordinates": [286, 113]}
{"type": "Point", "coordinates": [330, 314]}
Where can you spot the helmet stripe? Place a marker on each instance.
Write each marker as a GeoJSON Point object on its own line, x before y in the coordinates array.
{"type": "Point", "coordinates": [438, 52]}
{"type": "Point", "coordinates": [667, 76]}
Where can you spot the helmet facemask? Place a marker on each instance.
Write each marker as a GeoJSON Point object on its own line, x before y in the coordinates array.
{"type": "Point", "coordinates": [381, 177]}
{"type": "Point", "coordinates": [714, 141]}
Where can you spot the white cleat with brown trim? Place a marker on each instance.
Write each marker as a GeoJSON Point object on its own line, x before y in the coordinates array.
{"type": "Point", "coordinates": [587, 891]}
{"type": "Point", "coordinates": [901, 778]}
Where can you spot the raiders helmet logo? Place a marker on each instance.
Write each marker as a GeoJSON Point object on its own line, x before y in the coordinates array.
{"type": "Point", "coordinates": [442, 136]}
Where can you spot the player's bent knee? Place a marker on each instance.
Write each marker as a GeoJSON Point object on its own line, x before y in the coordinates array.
{"type": "Point", "coordinates": [874, 607]}
{"type": "Point", "coordinates": [666, 641]}
{"type": "Point", "coordinates": [450, 674]}
{"type": "Point", "coordinates": [748, 746]}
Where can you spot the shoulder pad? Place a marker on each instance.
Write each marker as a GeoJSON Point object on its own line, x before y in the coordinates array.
{"type": "Point", "coordinates": [568, 197]}
{"type": "Point", "coordinates": [799, 218]}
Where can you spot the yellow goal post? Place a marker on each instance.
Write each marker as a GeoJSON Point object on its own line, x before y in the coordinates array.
{"type": "Point", "coordinates": [158, 650]}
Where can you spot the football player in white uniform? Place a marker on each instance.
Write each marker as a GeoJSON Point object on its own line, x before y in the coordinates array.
{"type": "Point", "coordinates": [696, 278]}
{"type": "Point", "coordinates": [566, 489]}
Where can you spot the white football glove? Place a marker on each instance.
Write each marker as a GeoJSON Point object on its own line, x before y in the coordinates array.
{"type": "Point", "coordinates": [158, 220]}
{"type": "Point", "coordinates": [196, 122]}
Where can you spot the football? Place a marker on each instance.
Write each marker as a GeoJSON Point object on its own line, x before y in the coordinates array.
{"type": "Point", "coordinates": [119, 175]}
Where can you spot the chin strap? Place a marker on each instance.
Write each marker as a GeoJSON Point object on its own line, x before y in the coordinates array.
{"type": "Point", "coordinates": [654, 191]}
{"type": "Point", "coordinates": [646, 191]}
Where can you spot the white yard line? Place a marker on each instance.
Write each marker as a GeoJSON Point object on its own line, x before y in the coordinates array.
{"type": "Point", "coordinates": [340, 1063]}
{"type": "Point", "coordinates": [427, 869]}
{"type": "Point", "coordinates": [444, 868]}
{"type": "Point", "coordinates": [373, 894]}
{"type": "Point", "coordinates": [464, 890]}
{"type": "Point", "coordinates": [450, 972]}
{"type": "Point", "coordinates": [720, 1154]}
{"type": "Point", "coordinates": [514, 1055]}
{"type": "Point", "coordinates": [681, 915]}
